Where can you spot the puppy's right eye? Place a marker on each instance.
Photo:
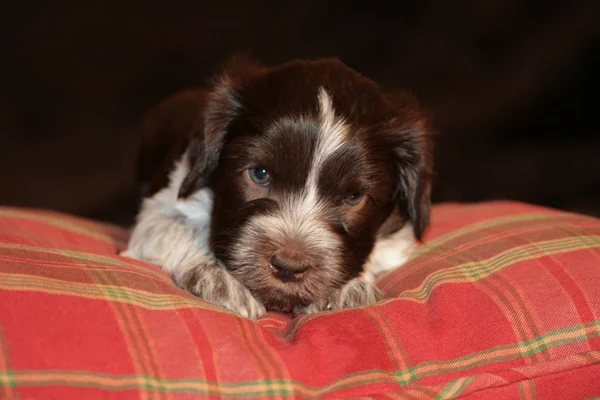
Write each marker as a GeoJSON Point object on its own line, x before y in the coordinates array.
{"type": "Point", "coordinates": [260, 176]}
{"type": "Point", "coordinates": [354, 198]}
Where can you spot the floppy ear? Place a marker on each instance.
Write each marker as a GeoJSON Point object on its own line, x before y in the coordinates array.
{"type": "Point", "coordinates": [412, 146]}
{"type": "Point", "coordinates": [223, 104]}
{"type": "Point", "coordinates": [164, 134]}
{"type": "Point", "coordinates": [414, 200]}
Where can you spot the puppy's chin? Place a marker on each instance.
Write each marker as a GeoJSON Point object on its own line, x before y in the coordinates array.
{"type": "Point", "coordinates": [278, 299]}
{"type": "Point", "coordinates": [286, 295]}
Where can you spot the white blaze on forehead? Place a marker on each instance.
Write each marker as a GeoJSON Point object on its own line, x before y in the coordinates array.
{"type": "Point", "coordinates": [332, 135]}
{"type": "Point", "coordinates": [302, 211]}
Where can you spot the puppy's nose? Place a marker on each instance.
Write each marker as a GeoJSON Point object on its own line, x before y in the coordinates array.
{"type": "Point", "coordinates": [286, 270]}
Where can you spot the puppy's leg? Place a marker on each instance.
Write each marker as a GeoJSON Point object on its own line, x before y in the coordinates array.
{"type": "Point", "coordinates": [210, 281]}
{"type": "Point", "coordinates": [357, 292]}
{"type": "Point", "coordinates": [180, 249]}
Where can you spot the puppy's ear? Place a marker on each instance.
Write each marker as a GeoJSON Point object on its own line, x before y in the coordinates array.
{"type": "Point", "coordinates": [223, 104]}
{"type": "Point", "coordinates": [164, 133]}
{"type": "Point", "coordinates": [412, 146]}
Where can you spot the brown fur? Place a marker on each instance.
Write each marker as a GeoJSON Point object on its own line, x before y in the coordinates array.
{"type": "Point", "coordinates": [253, 115]}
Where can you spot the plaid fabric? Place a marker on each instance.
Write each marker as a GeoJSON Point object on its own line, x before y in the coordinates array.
{"type": "Point", "coordinates": [502, 302]}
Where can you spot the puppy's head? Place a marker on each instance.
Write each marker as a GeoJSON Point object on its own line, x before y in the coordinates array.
{"type": "Point", "coordinates": [309, 164]}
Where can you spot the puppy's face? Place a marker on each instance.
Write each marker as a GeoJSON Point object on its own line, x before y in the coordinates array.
{"type": "Point", "coordinates": [309, 164]}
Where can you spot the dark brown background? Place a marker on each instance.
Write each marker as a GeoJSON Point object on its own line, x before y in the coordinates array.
{"type": "Point", "coordinates": [513, 86]}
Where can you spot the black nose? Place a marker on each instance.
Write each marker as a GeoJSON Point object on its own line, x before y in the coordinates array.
{"type": "Point", "coordinates": [286, 270]}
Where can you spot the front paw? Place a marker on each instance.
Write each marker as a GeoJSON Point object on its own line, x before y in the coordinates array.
{"type": "Point", "coordinates": [356, 293]}
{"type": "Point", "coordinates": [216, 285]}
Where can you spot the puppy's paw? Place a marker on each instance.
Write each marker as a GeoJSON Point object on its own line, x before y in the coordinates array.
{"type": "Point", "coordinates": [356, 293]}
{"type": "Point", "coordinates": [216, 285]}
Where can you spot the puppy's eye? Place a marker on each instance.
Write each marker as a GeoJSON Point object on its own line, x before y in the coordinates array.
{"type": "Point", "coordinates": [260, 176]}
{"type": "Point", "coordinates": [354, 198]}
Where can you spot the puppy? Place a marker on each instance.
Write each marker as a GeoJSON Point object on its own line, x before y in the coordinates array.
{"type": "Point", "coordinates": [285, 188]}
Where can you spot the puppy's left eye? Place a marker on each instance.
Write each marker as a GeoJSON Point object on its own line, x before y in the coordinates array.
{"type": "Point", "coordinates": [354, 198]}
{"type": "Point", "coordinates": [260, 176]}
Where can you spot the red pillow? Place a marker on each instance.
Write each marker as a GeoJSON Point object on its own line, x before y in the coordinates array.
{"type": "Point", "coordinates": [502, 302]}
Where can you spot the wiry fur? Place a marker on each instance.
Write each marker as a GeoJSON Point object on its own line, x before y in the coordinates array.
{"type": "Point", "coordinates": [324, 132]}
{"type": "Point", "coordinates": [173, 233]}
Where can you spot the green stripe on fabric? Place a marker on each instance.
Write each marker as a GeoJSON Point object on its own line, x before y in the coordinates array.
{"type": "Point", "coordinates": [472, 271]}
{"type": "Point", "coordinates": [396, 353]}
{"type": "Point", "coordinates": [100, 259]}
{"type": "Point", "coordinates": [5, 364]}
{"type": "Point", "coordinates": [59, 222]}
{"type": "Point", "coordinates": [487, 224]}
{"type": "Point", "coordinates": [454, 388]}
{"type": "Point", "coordinates": [138, 347]}
{"type": "Point", "coordinates": [515, 309]}
{"type": "Point", "coordinates": [264, 365]}
{"type": "Point", "coordinates": [140, 298]}
{"type": "Point", "coordinates": [528, 347]}
{"type": "Point", "coordinates": [269, 387]}
{"type": "Point", "coordinates": [527, 389]}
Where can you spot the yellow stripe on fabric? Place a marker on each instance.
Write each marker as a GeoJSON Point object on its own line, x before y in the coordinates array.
{"type": "Point", "coordinates": [59, 222]}
{"type": "Point", "coordinates": [526, 389]}
{"type": "Point", "coordinates": [256, 388]}
{"type": "Point", "coordinates": [140, 298]}
{"type": "Point", "coordinates": [396, 353]}
{"type": "Point", "coordinates": [487, 224]}
{"type": "Point", "coordinates": [100, 259]}
{"type": "Point", "coordinates": [454, 388]}
{"type": "Point", "coordinates": [552, 338]}
{"type": "Point", "coordinates": [266, 370]}
{"type": "Point", "coordinates": [138, 354]}
{"type": "Point", "coordinates": [71, 265]}
{"type": "Point", "coordinates": [476, 270]}
{"type": "Point", "coordinates": [523, 321]}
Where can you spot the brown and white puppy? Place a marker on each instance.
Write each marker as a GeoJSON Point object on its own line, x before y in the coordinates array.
{"type": "Point", "coordinates": [285, 188]}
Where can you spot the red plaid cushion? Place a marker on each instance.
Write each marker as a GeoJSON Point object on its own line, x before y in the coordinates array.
{"type": "Point", "coordinates": [502, 302]}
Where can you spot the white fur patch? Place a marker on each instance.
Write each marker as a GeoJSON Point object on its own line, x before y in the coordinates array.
{"type": "Point", "coordinates": [169, 231]}
{"type": "Point", "coordinates": [333, 131]}
{"type": "Point", "coordinates": [390, 252]}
